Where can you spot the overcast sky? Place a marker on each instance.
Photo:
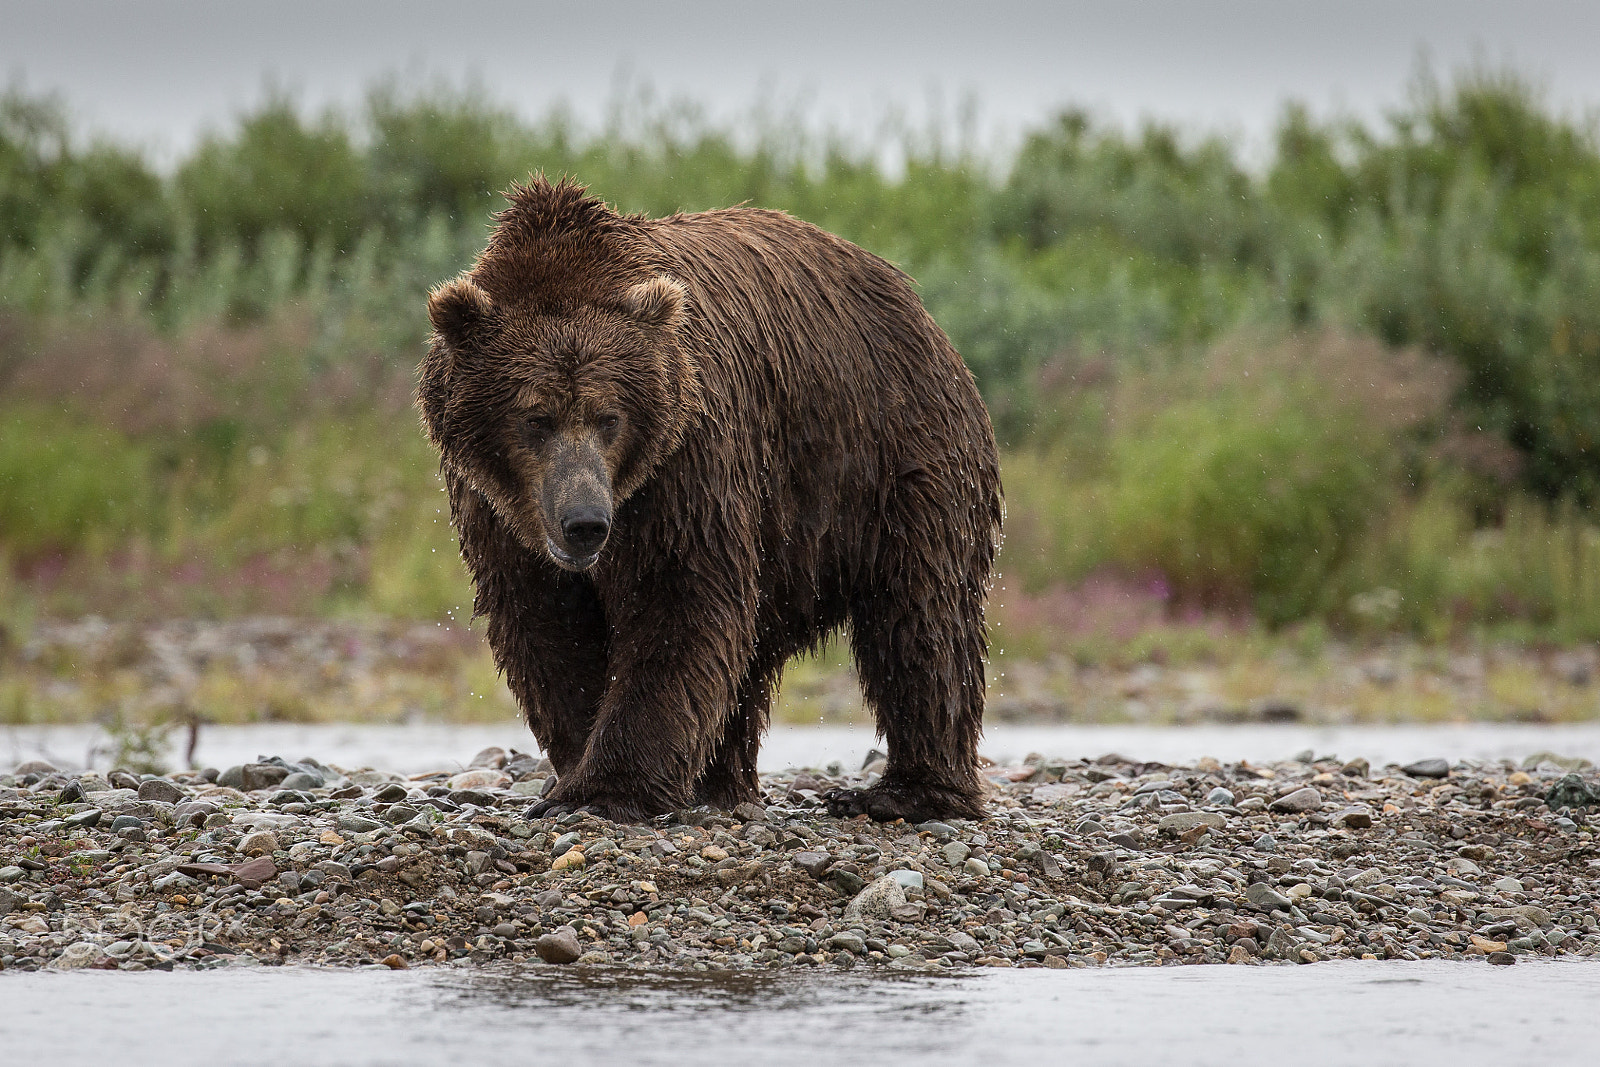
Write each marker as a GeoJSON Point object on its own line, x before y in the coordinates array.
{"type": "Point", "coordinates": [157, 72]}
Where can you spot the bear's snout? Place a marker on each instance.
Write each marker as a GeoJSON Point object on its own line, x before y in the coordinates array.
{"type": "Point", "coordinates": [584, 529]}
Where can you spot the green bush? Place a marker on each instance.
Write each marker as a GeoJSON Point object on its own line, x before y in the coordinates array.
{"type": "Point", "coordinates": [67, 486]}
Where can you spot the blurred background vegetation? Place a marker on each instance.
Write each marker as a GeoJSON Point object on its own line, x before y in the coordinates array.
{"type": "Point", "coordinates": [1353, 388]}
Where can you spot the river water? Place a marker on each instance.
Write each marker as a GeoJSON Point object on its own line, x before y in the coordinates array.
{"type": "Point", "coordinates": [439, 746]}
{"type": "Point", "coordinates": [1367, 1013]}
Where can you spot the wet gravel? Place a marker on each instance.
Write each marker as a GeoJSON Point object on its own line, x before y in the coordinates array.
{"type": "Point", "coordinates": [1082, 863]}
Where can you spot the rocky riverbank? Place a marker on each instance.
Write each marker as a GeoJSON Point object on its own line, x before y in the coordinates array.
{"type": "Point", "coordinates": [1082, 863]}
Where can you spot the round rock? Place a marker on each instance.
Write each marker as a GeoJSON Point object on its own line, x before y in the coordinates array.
{"type": "Point", "coordinates": [559, 946]}
{"type": "Point", "coordinates": [1303, 799]}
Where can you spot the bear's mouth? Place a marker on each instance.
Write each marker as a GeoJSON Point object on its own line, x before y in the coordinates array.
{"type": "Point", "coordinates": [567, 559]}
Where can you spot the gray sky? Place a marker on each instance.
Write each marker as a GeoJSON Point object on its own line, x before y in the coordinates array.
{"type": "Point", "coordinates": [156, 72]}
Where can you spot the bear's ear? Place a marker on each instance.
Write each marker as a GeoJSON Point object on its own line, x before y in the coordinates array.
{"type": "Point", "coordinates": [459, 310]}
{"type": "Point", "coordinates": [657, 302]}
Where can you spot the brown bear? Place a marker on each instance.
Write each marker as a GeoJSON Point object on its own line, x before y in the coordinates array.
{"type": "Point", "coordinates": [679, 452]}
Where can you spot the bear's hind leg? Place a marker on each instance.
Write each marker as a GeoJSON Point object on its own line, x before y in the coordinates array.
{"type": "Point", "coordinates": [920, 659]}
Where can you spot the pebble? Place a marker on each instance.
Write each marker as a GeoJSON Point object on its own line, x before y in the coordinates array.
{"type": "Point", "coordinates": [77, 955]}
{"type": "Point", "coordinates": [1428, 768]}
{"type": "Point", "coordinates": [1300, 800]}
{"type": "Point", "coordinates": [1358, 818]}
{"type": "Point", "coordinates": [559, 946]}
{"type": "Point", "coordinates": [1184, 821]}
{"type": "Point", "coordinates": [262, 841]}
{"type": "Point", "coordinates": [1384, 863]}
{"type": "Point", "coordinates": [875, 901]}
{"type": "Point", "coordinates": [161, 790]}
{"type": "Point", "coordinates": [1264, 896]}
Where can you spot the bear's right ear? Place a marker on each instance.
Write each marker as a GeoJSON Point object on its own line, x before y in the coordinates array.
{"type": "Point", "coordinates": [656, 302]}
{"type": "Point", "coordinates": [459, 310]}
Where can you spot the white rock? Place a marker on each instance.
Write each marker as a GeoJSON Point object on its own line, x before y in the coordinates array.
{"type": "Point", "coordinates": [875, 901]}
{"type": "Point", "coordinates": [75, 956]}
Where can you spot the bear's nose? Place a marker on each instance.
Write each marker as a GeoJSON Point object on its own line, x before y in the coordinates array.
{"type": "Point", "coordinates": [585, 528]}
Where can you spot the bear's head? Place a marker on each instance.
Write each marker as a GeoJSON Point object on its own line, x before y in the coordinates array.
{"type": "Point", "coordinates": [557, 380]}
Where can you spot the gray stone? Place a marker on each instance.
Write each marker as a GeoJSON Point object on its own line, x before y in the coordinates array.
{"type": "Point", "coordinates": [9, 901]}
{"type": "Point", "coordinates": [875, 901]}
{"type": "Point", "coordinates": [83, 819]}
{"type": "Point", "coordinates": [848, 941]}
{"type": "Point", "coordinates": [748, 812]}
{"type": "Point", "coordinates": [976, 866]}
{"type": "Point", "coordinates": [1263, 895]}
{"type": "Point", "coordinates": [1357, 818]}
{"type": "Point", "coordinates": [1220, 797]}
{"type": "Point", "coordinates": [559, 946]}
{"type": "Point", "coordinates": [1428, 768]}
{"type": "Point", "coordinates": [956, 853]}
{"type": "Point", "coordinates": [81, 954]}
{"type": "Point", "coordinates": [302, 780]}
{"type": "Point", "coordinates": [233, 777]}
{"type": "Point", "coordinates": [359, 824]}
{"type": "Point", "coordinates": [1570, 791]}
{"type": "Point", "coordinates": [493, 758]}
{"type": "Point", "coordinates": [1265, 843]}
{"type": "Point", "coordinates": [940, 830]}
{"type": "Point", "coordinates": [1301, 800]}
{"type": "Point", "coordinates": [813, 863]}
{"type": "Point", "coordinates": [261, 841]}
{"type": "Point", "coordinates": [34, 766]}
{"type": "Point", "coordinates": [12, 873]}
{"type": "Point", "coordinates": [255, 776]}
{"type": "Point", "coordinates": [1183, 821]}
{"type": "Point", "coordinates": [565, 843]}
{"type": "Point", "coordinates": [1185, 896]}
{"type": "Point", "coordinates": [127, 822]}
{"type": "Point", "coordinates": [848, 883]}
{"type": "Point", "coordinates": [193, 812]}
{"type": "Point", "coordinates": [1282, 944]}
{"type": "Point", "coordinates": [907, 879]}
{"type": "Point", "coordinates": [162, 790]}
{"type": "Point", "coordinates": [399, 813]}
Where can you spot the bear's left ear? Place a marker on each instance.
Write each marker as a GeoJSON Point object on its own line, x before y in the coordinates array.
{"type": "Point", "coordinates": [459, 310]}
{"type": "Point", "coordinates": [657, 302]}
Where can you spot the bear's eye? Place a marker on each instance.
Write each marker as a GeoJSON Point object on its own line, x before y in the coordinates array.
{"type": "Point", "coordinates": [539, 426]}
{"type": "Point", "coordinates": [609, 422]}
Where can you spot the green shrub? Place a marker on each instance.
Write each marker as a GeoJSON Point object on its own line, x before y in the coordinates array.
{"type": "Point", "coordinates": [68, 486]}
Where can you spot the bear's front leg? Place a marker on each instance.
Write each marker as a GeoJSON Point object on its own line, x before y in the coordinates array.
{"type": "Point", "coordinates": [673, 664]}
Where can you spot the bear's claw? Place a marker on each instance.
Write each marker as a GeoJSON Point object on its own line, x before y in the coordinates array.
{"type": "Point", "coordinates": [887, 802]}
{"type": "Point", "coordinates": [619, 811]}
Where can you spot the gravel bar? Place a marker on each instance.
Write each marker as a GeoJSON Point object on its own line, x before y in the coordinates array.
{"type": "Point", "coordinates": [1081, 863]}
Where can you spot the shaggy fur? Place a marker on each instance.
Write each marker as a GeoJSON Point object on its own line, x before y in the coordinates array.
{"type": "Point", "coordinates": [774, 440]}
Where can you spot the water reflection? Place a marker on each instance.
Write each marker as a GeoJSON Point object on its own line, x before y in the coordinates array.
{"type": "Point", "coordinates": [1366, 1013]}
{"type": "Point", "coordinates": [690, 1017]}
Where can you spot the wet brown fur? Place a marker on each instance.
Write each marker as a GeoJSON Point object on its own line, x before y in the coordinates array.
{"type": "Point", "coordinates": [800, 449]}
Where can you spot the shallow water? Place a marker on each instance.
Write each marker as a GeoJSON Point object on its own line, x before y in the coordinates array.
{"type": "Point", "coordinates": [1367, 1013]}
{"type": "Point", "coordinates": [437, 746]}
